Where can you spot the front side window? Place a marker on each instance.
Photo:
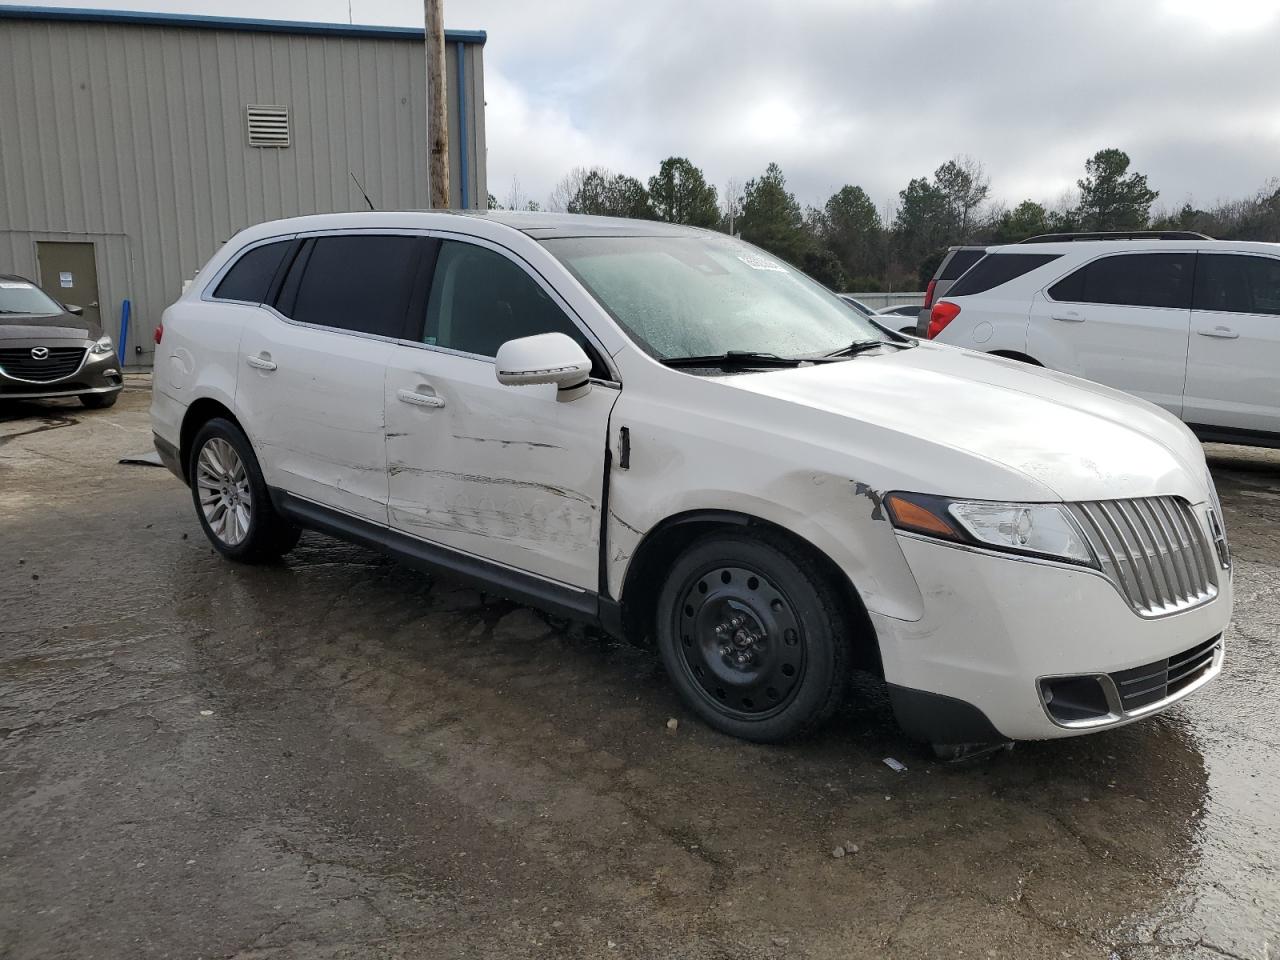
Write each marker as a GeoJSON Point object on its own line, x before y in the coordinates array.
{"type": "Point", "coordinates": [26, 299]}
{"type": "Point", "coordinates": [250, 277]}
{"type": "Point", "coordinates": [1237, 283]}
{"type": "Point", "coordinates": [1131, 280]}
{"type": "Point", "coordinates": [690, 296]}
{"type": "Point", "coordinates": [357, 282]}
{"type": "Point", "coordinates": [480, 300]}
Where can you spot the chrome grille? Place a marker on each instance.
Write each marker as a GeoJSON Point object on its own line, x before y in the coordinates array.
{"type": "Point", "coordinates": [54, 363]}
{"type": "Point", "coordinates": [1153, 549]}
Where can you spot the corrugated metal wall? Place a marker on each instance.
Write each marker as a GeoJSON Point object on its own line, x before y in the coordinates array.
{"type": "Point", "coordinates": [133, 137]}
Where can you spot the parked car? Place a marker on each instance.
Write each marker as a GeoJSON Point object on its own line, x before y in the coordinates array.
{"type": "Point", "coordinates": [877, 317]}
{"type": "Point", "coordinates": [48, 349]}
{"type": "Point", "coordinates": [673, 434]}
{"type": "Point", "coordinates": [956, 261]}
{"type": "Point", "coordinates": [911, 310]}
{"type": "Point", "coordinates": [1192, 325]}
{"type": "Point", "coordinates": [861, 307]}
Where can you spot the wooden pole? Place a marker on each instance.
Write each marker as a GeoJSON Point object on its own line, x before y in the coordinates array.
{"type": "Point", "coordinates": [437, 119]}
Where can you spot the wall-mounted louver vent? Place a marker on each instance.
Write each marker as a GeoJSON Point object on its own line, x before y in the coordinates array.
{"type": "Point", "coordinates": [268, 125]}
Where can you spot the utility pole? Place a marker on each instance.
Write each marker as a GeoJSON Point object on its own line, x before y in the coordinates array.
{"type": "Point", "coordinates": [437, 119]}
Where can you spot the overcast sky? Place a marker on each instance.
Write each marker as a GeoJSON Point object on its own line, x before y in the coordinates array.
{"type": "Point", "coordinates": [871, 92]}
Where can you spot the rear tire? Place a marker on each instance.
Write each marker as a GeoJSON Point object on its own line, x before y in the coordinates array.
{"type": "Point", "coordinates": [231, 497]}
{"type": "Point", "coordinates": [99, 401]}
{"type": "Point", "coordinates": [755, 636]}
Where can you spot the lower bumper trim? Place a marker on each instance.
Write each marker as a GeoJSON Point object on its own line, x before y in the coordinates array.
{"type": "Point", "coordinates": [936, 718]}
{"type": "Point", "coordinates": [54, 394]}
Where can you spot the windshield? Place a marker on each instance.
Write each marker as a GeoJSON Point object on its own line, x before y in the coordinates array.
{"type": "Point", "coordinates": [19, 296]}
{"type": "Point", "coordinates": [705, 296]}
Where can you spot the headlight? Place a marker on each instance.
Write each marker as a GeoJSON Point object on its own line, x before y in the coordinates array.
{"type": "Point", "coordinates": [102, 347]}
{"type": "Point", "coordinates": [1036, 529]}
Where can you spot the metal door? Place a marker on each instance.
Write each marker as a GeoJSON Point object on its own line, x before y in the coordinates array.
{"type": "Point", "coordinates": [69, 274]}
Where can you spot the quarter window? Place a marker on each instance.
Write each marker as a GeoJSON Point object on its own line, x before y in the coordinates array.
{"type": "Point", "coordinates": [1234, 283]}
{"type": "Point", "coordinates": [997, 268]}
{"type": "Point", "coordinates": [250, 277]}
{"type": "Point", "coordinates": [480, 300]}
{"type": "Point", "coordinates": [1131, 280]}
{"type": "Point", "coordinates": [358, 282]}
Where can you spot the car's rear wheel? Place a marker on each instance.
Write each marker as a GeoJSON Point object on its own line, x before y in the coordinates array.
{"type": "Point", "coordinates": [98, 401]}
{"type": "Point", "coordinates": [755, 636]}
{"type": "Point", "coordinates": [231, 497]}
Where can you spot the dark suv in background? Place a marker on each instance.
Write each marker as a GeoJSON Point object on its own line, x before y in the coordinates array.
{"type": "Point", "coordinates": [49, 349]}
{"type": "Point", "coordinates": [956, 262]}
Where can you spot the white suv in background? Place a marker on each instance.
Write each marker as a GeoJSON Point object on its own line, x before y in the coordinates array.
{"type": "Point", "coordinates": [672, 434]}
{"type": "Point", "coordinates": [1186, 322]}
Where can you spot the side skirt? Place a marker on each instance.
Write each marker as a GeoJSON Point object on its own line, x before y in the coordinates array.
{"type": "Point", "coordinates": [554, 598]}
{"type": "Point", "coordinates": [1236, 435]}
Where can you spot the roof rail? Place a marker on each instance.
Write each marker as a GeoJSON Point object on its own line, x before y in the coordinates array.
{"type": "Point", "coordinates": [1118, 235]}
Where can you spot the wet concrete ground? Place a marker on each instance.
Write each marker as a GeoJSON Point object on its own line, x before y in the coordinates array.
{"type": "Point", "coordinates": [337, 757]}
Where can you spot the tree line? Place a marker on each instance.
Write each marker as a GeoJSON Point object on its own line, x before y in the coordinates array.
{"type": "Point", "coordinates": [847, 244]}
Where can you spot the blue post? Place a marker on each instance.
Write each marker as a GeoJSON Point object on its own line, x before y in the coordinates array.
{"type": "Point", "coordinates": [125, 308]}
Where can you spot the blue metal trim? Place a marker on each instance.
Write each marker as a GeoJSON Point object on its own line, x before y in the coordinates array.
{"type": "Point", "coordinates": [464, 182]}
{"type": "Point", "coordinates": [370, 31]}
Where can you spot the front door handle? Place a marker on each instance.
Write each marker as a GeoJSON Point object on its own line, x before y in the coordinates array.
{"type": "Point", "coordinates": [1069, 316]}
{"type": "Point", "coordinates": [420, 399]}
{"type": "Point", "coordinates": [260, 363]}
{"type": "Point", "coordinates": [1222, 333]}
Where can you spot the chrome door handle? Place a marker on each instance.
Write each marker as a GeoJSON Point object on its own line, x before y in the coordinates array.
{"type": "Point", "coordinates": [420, 399]}
{"type": "Point", "coordinates": [1222, 333]}
{"type": "Point", "coordinates": [260, 363]}
{"type": "Point", "coordinates": [1069, 317]}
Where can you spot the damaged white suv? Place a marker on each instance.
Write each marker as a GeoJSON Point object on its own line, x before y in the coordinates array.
{"type": "Point", "coordinates": [672, 434]}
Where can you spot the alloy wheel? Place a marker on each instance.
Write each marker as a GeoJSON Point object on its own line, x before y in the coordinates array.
{"type": "Point", "coordinates": [222, 483]}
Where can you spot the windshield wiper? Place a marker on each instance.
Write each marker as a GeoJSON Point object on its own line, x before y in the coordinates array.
{"type": "Point", "coordinates": [736, 358]}
{"type": "Point", "coordinates": [860, 346]}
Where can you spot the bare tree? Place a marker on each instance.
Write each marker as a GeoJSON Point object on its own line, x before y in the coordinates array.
{"type": "Point", "coordinates": [570, 185]}
{"type": "Point", "coordinates": [517, 199]}
{"type": "Point", "coordinates": [731, 204]}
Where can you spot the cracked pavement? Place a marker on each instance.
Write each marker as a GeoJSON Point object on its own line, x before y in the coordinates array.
{"type": "Point", "coordinates": [339, 757]}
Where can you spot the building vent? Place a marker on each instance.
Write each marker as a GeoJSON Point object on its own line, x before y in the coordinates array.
{"type": "Point", "coordinates": [268, 125]}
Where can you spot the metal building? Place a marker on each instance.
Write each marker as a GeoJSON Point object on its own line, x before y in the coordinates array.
{"type": "Point", "coordinates": [133, 144]}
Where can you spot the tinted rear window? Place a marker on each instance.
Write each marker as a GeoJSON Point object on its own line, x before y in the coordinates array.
{"type": "Point", "coordinates": [250, 277]}
{"type": "Point", "coordinates": [997, 268]}
{"type": "Point", "coordinates": [360, 283]}
{"type": "Point", "coordinates": [1131, 280]}
{"type": "Point", "coordinates": [957, 263]}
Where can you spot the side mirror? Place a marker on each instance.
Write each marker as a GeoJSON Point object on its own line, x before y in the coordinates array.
{"type": "Point", "coordinates": [72, 309]}
{"type": "Point", "coordinates": [544, 358]}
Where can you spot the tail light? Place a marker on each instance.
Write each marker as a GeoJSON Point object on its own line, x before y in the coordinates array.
{"type": "Point", "coordinates": [159, 334]}
{"type": "Point", "coordinates": [928, 294]}
{"type": "Point", "coordinates": [941, 315]}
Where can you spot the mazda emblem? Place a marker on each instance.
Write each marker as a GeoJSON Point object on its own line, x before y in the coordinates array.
{"type": "Point", "coordinates": [39, 353]}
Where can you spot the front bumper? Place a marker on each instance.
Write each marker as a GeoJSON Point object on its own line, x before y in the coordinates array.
{"type": "Point", "coordinates": [997, 628]}
{"type": "Point", "coordinates": [91, 375]}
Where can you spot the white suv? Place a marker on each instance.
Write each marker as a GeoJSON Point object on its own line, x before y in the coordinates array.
{"type": "Point", "coordinates": [1190, 324]}
{"type": "Point", "coordinates": [672, 434]}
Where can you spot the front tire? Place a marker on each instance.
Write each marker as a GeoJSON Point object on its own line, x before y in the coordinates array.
{"type": "Point", "coordinates": [755, 636]}
{"type": "Point", "coordinates": [231, 496]}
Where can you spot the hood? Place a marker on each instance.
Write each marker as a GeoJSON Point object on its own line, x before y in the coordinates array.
{"type": "Point", "coordinates": [1078, 440]}
{"type": "Point", "coordinates": [62, 326]}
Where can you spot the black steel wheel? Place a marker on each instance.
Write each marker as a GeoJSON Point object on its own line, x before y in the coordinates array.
{"type": "Point", "coordinates": [754, 635]}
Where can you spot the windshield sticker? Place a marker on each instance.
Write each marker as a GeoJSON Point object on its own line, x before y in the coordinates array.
{"type": "Point", "coordinates": [760, 263]}
{"type": "Point", "coordinates": [16, 285]}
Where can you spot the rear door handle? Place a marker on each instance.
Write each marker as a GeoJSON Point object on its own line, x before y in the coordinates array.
{"type": "Point", "coordinates": [260, 363]}
{"type": "Point", "coordinates": [1070, 316]}
{"type": "Point", "coordinates": [420, 399]}
{"type": "Point", "coordinates": [1222, 333]}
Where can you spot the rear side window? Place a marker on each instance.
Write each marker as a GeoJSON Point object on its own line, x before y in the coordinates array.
{"type": "Point", "coordinates": [250, 277]}
{"type": "Point", "coordinates": [1235, 283]}
{"type": "Point", "coordinates": [997, 268]}
{"type": "Point", "coordinates": [1131, 280]}
{"type": "Point", "coordinates": [480, 300]}
{"type": "Point", "coordinates": [360, 282]}
{"type": "Point", "coordinates": [957, 262]}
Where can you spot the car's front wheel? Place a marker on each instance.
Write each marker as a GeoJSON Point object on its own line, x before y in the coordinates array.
{"type": "Point", "coordinates": [231, 496]}
{"type": "Point", "coordinates": [755, 635]}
